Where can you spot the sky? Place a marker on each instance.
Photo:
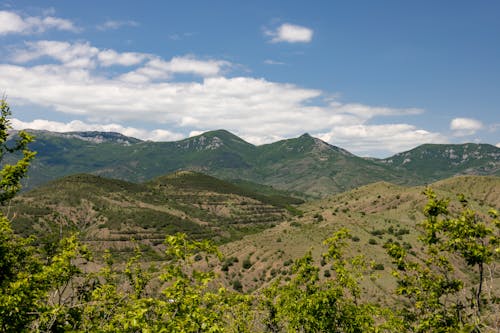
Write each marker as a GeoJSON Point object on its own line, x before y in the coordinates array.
{"type": "Point", "coordinates": [372, 77]}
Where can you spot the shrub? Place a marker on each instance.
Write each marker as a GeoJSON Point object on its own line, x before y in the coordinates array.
{"type": "Point", "coordinates": [247, 263]}
{"type": "Point", "coordinates": [237, 285]}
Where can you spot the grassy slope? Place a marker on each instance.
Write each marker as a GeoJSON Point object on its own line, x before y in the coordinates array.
{"type": "Point", "coordinates": [374, 213]}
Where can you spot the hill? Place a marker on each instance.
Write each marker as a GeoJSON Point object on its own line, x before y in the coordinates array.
{"type": "Point", "coordinates": [304, 164]}
{"type": "Point", "coordinates": [260, 237]}
{"type": "Point", "coordinates": [111, 212]}
{"type": "Point", "coordinates": [374, 214]}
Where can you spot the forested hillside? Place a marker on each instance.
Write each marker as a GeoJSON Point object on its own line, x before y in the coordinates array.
{"type": "Point", "coordinates": [304, 164]}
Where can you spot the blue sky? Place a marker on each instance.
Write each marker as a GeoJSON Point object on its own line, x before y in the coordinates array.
{"type": "Point", "coordinates": [373, 77]}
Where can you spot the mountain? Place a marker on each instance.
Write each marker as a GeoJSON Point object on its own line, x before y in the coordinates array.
{"type": "Point", "coordinates": [312, 166]}
{"type": "Point", "coordinates": [109, 212]}
{"type": "Point", "coordinates": [304, 164]}
{"type": "Point", "coordinates": [431, 162]}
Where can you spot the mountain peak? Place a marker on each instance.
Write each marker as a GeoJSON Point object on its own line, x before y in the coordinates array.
{"type": "Point", "coordinates": [212, 140]}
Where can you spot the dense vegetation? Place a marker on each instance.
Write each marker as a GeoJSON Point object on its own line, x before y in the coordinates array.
{"type": "Point", "coordinates": [53, 286]}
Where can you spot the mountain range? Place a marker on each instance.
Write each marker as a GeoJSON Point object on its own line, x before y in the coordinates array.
{"type": "Point", "coordinates": [303, 165]}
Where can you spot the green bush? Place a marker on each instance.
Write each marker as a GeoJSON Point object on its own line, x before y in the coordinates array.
{"type": "Point", "coordinates": [246, 264]}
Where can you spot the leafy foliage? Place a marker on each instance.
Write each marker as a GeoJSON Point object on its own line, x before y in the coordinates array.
{"type": "Point", "coordinates": [437, 303]}
{"type": "Point", "coordinates": [308, 304]}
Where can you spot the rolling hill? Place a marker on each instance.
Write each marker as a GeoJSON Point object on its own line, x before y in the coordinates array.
{"type": "Point", "coordinates": [375, 214]}
{"type": "Point", "coordinates": [110, 212]}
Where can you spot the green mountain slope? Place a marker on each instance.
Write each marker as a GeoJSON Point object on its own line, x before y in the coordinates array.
{"type": "Point", "coordinates": [304, 164]}
{"type": "Point", "coordinates": [309, 165]}
{"type": "Point", "coordinates": [431, 162]}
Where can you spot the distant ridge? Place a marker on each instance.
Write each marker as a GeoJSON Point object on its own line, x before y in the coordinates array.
{"type": "Point", "coordinates": [303, 164]}
{"type": "Point", "coordinates": [432, 162]}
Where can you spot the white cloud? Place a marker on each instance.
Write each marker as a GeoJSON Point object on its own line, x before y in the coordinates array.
{"type": "Point", "coordinates": [158, 69]}
{"type": "Point", "coordinates": [367, 112]}
{"type": "Point", "coordinates": [82, 54]}
{"type": "Point", "coordinates": [465, 126]}
{"type": "Point", "coordinates": [12, 23]}
{"type": "Point", "coordinates": [191, 65]}
{"type": "Point", "coordinates": [111, 57]}
{"type": "Point", "coordinates": [273, 62]}
{"type": "Point", "coordinates": [290, 33]}
{"type": "Point", "coordinates": [71, 55]}
{"type": "Point", "coordinates": [258, 110]}
{"type": "Point", "coordinates": [79, 126]}
{"type": "Point", "coordinates": [180, 36]}
{"type": "Point", "coordinates": [113, 24]}
{"type": "Point", "coordinates": [367, 139]}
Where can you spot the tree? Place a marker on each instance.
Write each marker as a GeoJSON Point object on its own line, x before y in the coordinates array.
{"type": "Point", "coordinates": [309, 304]}
{"type": "Point", "coordinates": [18, 290]}
{"type": "Point", "coordinates": [11, 174]}
{"type": "Point", "coordinates": [25, 278]}
{"type": "Point", "coordinates": [435, 293]}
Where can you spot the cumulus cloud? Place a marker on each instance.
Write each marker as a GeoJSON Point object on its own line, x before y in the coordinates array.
{"type": "Point", "coordinates": [72, 55]}
{"type": "Point", "coordinates": [82, 54]}
{"type": "Point", "coordinates": [465, 126]}
{"type": "Point", "coordinates": [257, 109]}
{"type": "Point", "coordinates": [158, 69]}
{"type": "Point", "coordinates": [111, 57]}
{"type": "Point", "coordinates": [79, 126]}
{"type": "Point", "coordinates": [290, 33]}
{"type": "Point", "coordinates": [114, 24]}
{"type": "Point", "coordinates": [367, 139]}
{"type": "Point", "coordinates": [13, 23]}
{"type": "Point", "coordinates": [498, 145]}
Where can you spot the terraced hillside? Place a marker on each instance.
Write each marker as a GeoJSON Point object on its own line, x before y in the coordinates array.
{"type": "Point", "coordinates": [109, 212]}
